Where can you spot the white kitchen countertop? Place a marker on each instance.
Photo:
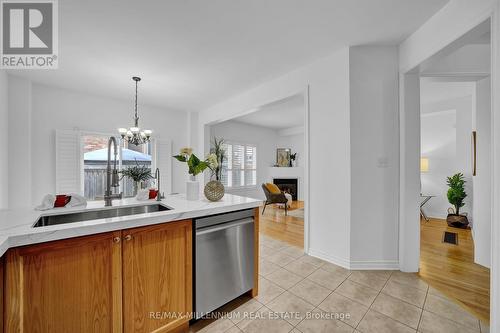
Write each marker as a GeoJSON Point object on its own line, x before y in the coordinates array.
{"type": "Point", "coordinates": [16, 226]}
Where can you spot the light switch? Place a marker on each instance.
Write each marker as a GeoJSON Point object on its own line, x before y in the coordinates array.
{"type": "Point", "coordinates": [383, 162]}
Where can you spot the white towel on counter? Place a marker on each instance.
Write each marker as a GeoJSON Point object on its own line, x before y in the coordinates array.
{"type": "Point", "coordinates": [49, 200]}
{"type": "Point", "coordinates": [76, 201]}
{"type": "Point", "coordinates": [142, 195]}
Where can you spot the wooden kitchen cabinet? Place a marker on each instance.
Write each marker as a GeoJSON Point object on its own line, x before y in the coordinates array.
{"type": "Point", "coordinates": [110, 282]}
{"type": "Point", "coordinates": [71, 285]}
{"type": "Point", "coordinates": [1, 294]}
{"type": "Point", "coordinates": [157, 277]}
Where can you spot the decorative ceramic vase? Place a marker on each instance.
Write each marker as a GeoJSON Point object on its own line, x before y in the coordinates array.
{"type": "Point", "coordinates": [192, 189]}
{"type": "Point", "coordinates": [214, 190]}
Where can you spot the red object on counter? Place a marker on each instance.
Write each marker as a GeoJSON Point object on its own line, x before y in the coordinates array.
{"type": "Point", "coordinates": [62, 200]}
{"type": "Point", "coordinates": [153, 193]}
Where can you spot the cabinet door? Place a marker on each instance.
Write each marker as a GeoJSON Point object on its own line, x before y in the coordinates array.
{"type": "Point", "coordinates": [157, 277]}
{"type": "Point", "coordinates": [1, 294]}
{"type": "Point", "coordinates": [72, 285]}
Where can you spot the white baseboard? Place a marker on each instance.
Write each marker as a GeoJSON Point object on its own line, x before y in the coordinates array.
{"type": "Point", "coordinates": [331, 259]}
{"type": "Point", "coordinates": [375, 265]}
{"type": "Point", "coordinates": [361, 265]}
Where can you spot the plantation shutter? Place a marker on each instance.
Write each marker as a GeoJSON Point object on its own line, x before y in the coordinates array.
{"type": "Point", "coordinates": [238, 165]}
{"type": "Point", "coordinates": [68, 162]}
{"type": "Point", "coordinates": [250, 166]}
{"type": "Point", "coordinates": [163, 161]}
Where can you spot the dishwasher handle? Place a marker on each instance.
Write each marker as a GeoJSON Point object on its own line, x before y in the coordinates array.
{"type": "Point", "coordinates": [224, 226]}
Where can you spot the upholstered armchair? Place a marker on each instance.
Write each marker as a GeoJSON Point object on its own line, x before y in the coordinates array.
{"type": "Point", "coordinates": [274, 198]}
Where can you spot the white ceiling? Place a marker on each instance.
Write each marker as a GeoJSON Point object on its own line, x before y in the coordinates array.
{"type": "Point", "coordinates": [195, 53]}
{"type": "Point", "coordinates": [283, 114]}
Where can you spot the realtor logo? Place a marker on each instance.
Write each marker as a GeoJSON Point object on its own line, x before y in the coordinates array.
{"type": "Point", "coordinates": [29, 34]}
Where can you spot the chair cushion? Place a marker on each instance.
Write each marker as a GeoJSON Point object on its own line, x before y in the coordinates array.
{"type": "Point", "coordinates": [272, 188]}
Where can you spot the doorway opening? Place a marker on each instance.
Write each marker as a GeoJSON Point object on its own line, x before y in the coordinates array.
{"type": "Point", "coordinates": [268, 151]}
{"type": "Point", "coordinates": [448, 98]}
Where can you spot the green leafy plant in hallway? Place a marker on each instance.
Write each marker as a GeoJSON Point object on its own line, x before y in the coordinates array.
{"type": "Point", "coordinates": [456, 192]}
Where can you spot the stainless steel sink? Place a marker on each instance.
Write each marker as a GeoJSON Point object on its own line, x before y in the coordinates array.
{"type": "Point", "coordinates": [97, 214]}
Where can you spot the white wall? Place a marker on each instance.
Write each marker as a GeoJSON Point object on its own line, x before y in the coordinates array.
{"type": "Point", "coordinates": [409, 171]}
{"type": "Point", "coordinates": [264, 139]}
{"type": "Point", "coordinates": [328, 82]}
{"type": "Point", "coordinates": [296, 143]}
{"type": "Point", "coordinates": [483, 179]}
{"type": "Point", "coordinates": [193, 131]}
{"type": "Point", "coordinates": [4, 138]}
{"type": "Point", "coordinates": [446, 128]}
{"type": "Point", "coordinates": [20, 143]}
{"type": "Point", "coordinates": [439, 145]}
{"type": "Point", "coordinates": [374, 156]}
{"type": "Point", "coordinates": [495, 143]}
{"type": "Point", "coordinates": [33, 170]}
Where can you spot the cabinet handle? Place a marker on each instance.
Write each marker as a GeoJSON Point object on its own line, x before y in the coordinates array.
{"type": "Point", "coordinates": [128, 237]}
{"type": "Point", "coordinates": [116, 239]}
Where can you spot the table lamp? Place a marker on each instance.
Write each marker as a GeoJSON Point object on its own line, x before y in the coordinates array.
{"type": "Point", "coordinates": [424, 164]}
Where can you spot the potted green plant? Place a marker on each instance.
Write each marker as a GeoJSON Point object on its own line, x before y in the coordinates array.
{"type": "Point", "coordinates": [195, 167]}
{"type": "Point", "coordinates": [456, 195]}
{"type": "Point", "coordinates": [140, 175]}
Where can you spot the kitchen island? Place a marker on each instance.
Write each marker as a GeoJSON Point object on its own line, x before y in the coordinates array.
{"type": "Point", "coordinates": [130, 273]}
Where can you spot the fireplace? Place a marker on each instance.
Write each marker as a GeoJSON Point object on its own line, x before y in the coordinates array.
{"type": "Point", "coordinates": [288, 185]}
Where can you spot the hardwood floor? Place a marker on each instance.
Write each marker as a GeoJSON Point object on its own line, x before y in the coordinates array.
{"type": "Point", "coordinates": [276, 225]}
{"type": "Point", "coordinates": [451, 268]}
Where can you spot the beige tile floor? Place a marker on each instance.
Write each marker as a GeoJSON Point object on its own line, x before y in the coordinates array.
{"type": "Point", "coordinates": [299, 293]}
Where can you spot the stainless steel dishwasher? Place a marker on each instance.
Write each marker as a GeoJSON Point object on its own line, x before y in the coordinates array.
{"type": "Point", "coordinates": [224, 259]}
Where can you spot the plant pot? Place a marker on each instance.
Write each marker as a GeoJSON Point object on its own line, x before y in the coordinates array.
{"type": "Point", "coordinates": [214, 190]}
{"type": "Point", "coordinates": [457, 221]}
{"type": "Point", "coordinates": [192, 189]}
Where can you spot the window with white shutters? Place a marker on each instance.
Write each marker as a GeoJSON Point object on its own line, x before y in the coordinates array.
{"type": "Point", "coordinates": [240, 166]}
{"type": "Point", "coordinates": [81, 160]}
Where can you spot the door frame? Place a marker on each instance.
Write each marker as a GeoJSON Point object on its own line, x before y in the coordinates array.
{"type": "Point", "coordinates": [205, 146]}
{"type": "Point", "coordinates": [409, 232]}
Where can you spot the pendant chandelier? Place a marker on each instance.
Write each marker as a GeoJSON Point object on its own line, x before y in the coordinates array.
{"type": "Point", "coordinates": [134, 135]}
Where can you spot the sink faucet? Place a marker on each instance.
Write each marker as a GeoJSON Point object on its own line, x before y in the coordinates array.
{"type": "Point", "coordinates": [157, 177]}
{"type": "Point", "coordinates": [111, 175]}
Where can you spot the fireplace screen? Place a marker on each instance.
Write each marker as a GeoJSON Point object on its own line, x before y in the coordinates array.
{"type": "Point", "coordinates": [288, 185]}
